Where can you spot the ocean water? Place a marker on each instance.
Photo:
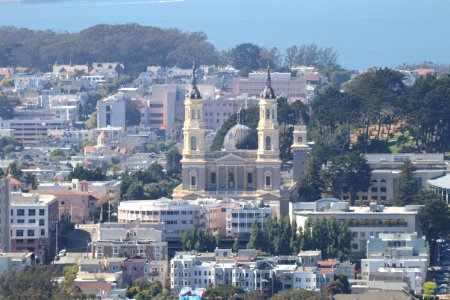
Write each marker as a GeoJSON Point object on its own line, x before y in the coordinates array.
{"type": "Point", "coordinates": [365, 32]}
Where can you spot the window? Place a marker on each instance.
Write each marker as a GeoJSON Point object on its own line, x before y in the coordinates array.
{"type": "Point", "coordinates": [42, 232]}
{"type": "Point", "coordinates": [300, 139]}
{"type": "Point", "coordinates": [19, 232]}
{"type": "Point", "coordinates": [193, 143]}
{"type": "Point", "coordinates": [250, 178]}
{"type": "Point", "coordinates": [41, 222]}
{"type": "Point", "coordinates": [383, 190]}
{"type": "Point", "coordinates": [31, 221]}
{"type": "Point", "coordinates": [374, 189]}
{"type": "Point", "coordinates": [30, 232]}
{"type": "Point", "coordinates": [213, 178]}
{"type": "Point", "coordinates": [268, 143]}
{"type": "Point", "coordinates": [31, 212]}
{"type": "Point", "coordinates": [267, 113]}
{"type": "Point", "coordinates": [21, 212]}
{"type": "Point", "coordinates": [193, 181]}
{"type": "Point", "coordinates": [20, 221]}
{"type": "Point", "coordinates": [268, 181]}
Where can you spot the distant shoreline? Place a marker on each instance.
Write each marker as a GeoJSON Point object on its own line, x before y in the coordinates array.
{"type": "Point", "coordinates": [27, 1]}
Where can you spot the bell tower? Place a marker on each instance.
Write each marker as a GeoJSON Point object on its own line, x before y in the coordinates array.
{"type": "Point", "coordinates": [268, 162]}
{"type": "Point", "coordinates": [300, 151]}
{"type": "Point", "coordinates": [193, 170]}
{"type": "Point", "coordinates": [268, 134]}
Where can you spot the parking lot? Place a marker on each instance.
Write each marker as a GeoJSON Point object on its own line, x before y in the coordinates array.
{"type": "Point", "coordinates": [442, 277]}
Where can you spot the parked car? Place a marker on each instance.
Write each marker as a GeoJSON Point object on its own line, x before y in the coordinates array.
{"type": "Point", "coordinates": [62, 253]}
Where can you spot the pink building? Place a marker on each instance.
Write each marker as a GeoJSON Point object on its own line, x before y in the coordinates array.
{"type": "Point", "coordinates": [283, 83]}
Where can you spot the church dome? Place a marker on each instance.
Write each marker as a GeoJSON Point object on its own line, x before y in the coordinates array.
{"type": "Point", "coordinates": [240, 137]}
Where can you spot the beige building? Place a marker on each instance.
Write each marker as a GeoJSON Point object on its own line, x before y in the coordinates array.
{"type": "Point", "coordinates": [247, 168]}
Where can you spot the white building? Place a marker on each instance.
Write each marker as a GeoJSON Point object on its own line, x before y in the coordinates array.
{"type": "Point", "coordinates": [363, 222]}
{"type": "Point", "coordinates": [230, 218]}
{"type": "Point", "coordinates": [251, 273]}
{"type": "Point", "coordinates": [131, 239]}
{"type": "Point", "coordinates": [397, 257]}
{"type": "Point", "coordinates": [386, 172]}
{"type": "Point", "coordinates": [111, 112]}
{"type": "Point", "coordinates": [15, 261]}
{"type": "Point", "coordinates": [33, 223]}
{"type": "Point", "coordinates": [441, 186]}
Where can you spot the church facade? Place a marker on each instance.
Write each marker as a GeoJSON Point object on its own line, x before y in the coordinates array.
{"type": "Point", "coordinates": [247, 167]}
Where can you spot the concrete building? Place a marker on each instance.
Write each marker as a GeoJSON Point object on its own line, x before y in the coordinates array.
{"type": "Point", "coordinates": [397, 257]}
{"type": "Point", "coordinates": [4, 214]}
{"type": "Point", "coordinates": [111, 111]}
{"type": "Point", "coordinates": [386, 172]}
{"type": "Point", "coordinates": [15, 261]}
{"type": "Point", "coordinates": [440, 186]}
{"type": "Point", "coordinates": [32, 132]}
{"type": "Point", "coordinates": [285, 85]}
{"type": "Point", "coordinates": [363, 222]}
{"type": "Point", "coordinates": [229, 218]}
{"type": "Point", "coordinates": [248, 168]}
{"type": "Point", "coordinates": [33, 224]}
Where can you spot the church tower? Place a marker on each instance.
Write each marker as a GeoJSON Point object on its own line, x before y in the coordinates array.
{"type": "Point", "coordinates": [268, 153]}
{"type": "Point", "coordinates": [300, 151]}
{"type": "Point", "coordinates": [194, 148]}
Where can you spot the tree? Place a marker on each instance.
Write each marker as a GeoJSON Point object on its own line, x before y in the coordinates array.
{"type": "Point", "coordinates": [334, 287]}
{"type": "Point", "coordinates": [344, 280]}
{"type": "Point", "coordinates": [173, 165]}
{"type": "Point", "coordinates": [429, 289]}
{"type": "Point", "coordinates": [348, 173]}
{"type": "Point", "coordinates": [135, 191]}
{"type": "Point", "coordinates": [222, 292]}
{"type": "Point", "coordinates": [80, 173]}
{"type": "Point", "coordinates": [434, 218]}
{"type": "Point", "coordinates": [14, 170]}
{"type": "Point", "coordinates": [30, 180]}
{"type": "Point", "coordinates": [311, 185]}
{"type": "Point", "coordinates": [198, 239]}
{"type": "Point", "coordinates": [132, 113]}
{"type": "Point", "coordinates": [236, 245]}
{"type": "Point", "coordinates": [256, 240]}
{"type": "Point", "coordinates": [407, 185]}
{"type": "Point", "coordinates": [246, 56]}
{"type": "Point", "coordinates": [92, 121]}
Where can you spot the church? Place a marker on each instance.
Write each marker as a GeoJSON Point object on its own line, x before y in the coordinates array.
{"type": "Point", "coordinates": [247, 167]}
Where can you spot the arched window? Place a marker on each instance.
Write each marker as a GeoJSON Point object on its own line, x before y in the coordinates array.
{"type": "Point", "coordinates": [300, 139]}
{"type": "Point", "coordinates": [193, 180]}
{"type": "Point", "coordinates": [193, 143]}
{"type": "Point", "coordinates": [268, 143]}
{"type": "Point", "coordinates": [267, 114]}
{"type": "Point", "coordinates": [273, 114]}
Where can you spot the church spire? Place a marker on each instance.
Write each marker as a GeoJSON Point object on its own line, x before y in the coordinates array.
{"type": "Point", "coordinates": [268, 92]}
{"type": "Point", "coordinates": [194, 93]}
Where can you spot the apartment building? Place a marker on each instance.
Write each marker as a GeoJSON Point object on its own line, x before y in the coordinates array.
{"type": "Point", "coordinates": [33, 224]}
{"type": "Point", "coordinates": [363, 222]}
{"type": "Point", "coordinates": [397, 257]}
{"type": "Point", "coordinates": [252, 273]}
{"type": "Point", "coordinates": [32, 132]}
{"type": "Point", "coordinates": [229, 218]}
{"type": "Point", "coordinates": [143, 245]}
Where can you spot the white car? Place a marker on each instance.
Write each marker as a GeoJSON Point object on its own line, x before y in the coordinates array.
{"type": "Point", "coordinates": [62, 253]}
